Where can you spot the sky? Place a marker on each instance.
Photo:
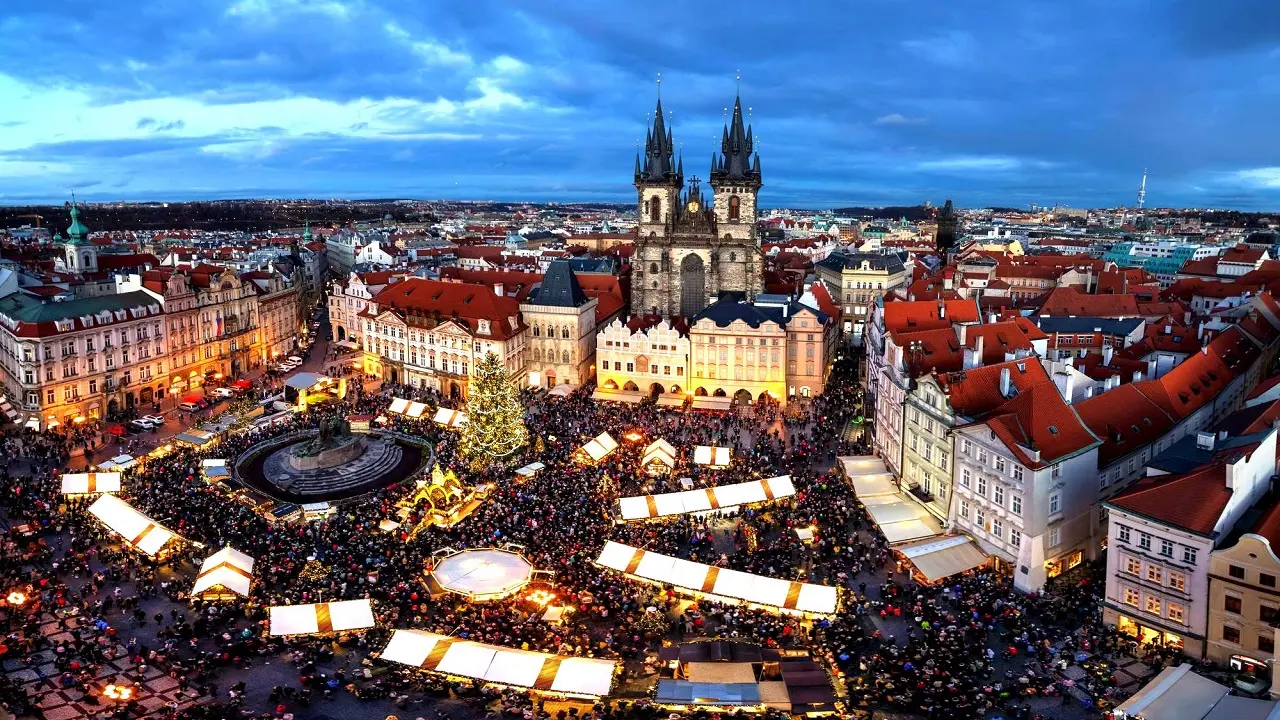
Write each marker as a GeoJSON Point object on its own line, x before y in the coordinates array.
{"type": "Point", "coordinates": [854, 102]}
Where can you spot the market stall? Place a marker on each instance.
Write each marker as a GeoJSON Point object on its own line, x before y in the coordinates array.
{"type": "Point", "coordinates": [135, 529]}
{"type": "Point", "coordinates": [450, 418]}
{"type": "Point", "coordinates": [77, 484]}
{"type": "Point", "coordinates": [599, 448]}
{"type": "Point", "coordinates": [659, 456]}
{"type": "Point", "coordinates": [451, 656]}
{"type": "Point", "coordinates": [196, 438]}
{"type": "Point", "coordinates": [712, 456]}
{"type": "Point", "coordinates": [725, 497]}
{"type": "Point", "coordinates": [224, 575]}
{"type": "Point", "coordinates": [481, 575]}
{"type": "Point", "coordinates": [715, 583]}
{"type": "Point", "coordinates": [321, 618]}
{"type": "Point", "coordinates": [530, 470]}
{"type": "Point", "coordinates": [214, 469]}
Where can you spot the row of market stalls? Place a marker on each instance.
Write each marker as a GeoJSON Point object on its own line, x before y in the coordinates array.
{"type": "Point", "coordinates": [412, 409]}
{"type": "Point", "coordinates": [658, 452]}
{"type": "Point", "coordinates": [1178, 693]}
{"type": "Point", "coordinates": [719, 676]}
{"type": "Point", "coordinates": [724, 497]}
{"type": "Point", "coordinates": [912, 531]}
{"type": "Point", "coordinates": [720, 584]}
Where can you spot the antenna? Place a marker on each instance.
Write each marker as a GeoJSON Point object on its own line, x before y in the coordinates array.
{"type": "Point", "coordinates": [737, 88]}
{"type": "Point", "coordinates": [1142, 190]}
{"type": "Point", "coordinates": [659, 87]}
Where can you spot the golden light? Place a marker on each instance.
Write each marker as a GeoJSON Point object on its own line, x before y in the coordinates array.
{"type": "Point", "coordinates": [78, 419]}
{"type": "Point", "coordinates": [217, 376]}
{"type": "Point", "coordinates": [540, 597]}
{"type": "Point", "coordinates": [16, 598]}
{"type": "Point", "coordinates": [634, 436]}
{"type": "Point", "coordinates": [121, 693]}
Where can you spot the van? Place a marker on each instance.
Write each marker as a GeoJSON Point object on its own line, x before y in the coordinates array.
{"type": "Point", "coordinates": [188, 406]}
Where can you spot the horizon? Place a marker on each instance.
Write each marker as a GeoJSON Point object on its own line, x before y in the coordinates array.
{"type": "Point", "coordinates": [1003, 106]}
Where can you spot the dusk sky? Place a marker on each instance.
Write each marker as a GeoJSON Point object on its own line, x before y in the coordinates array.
{"type": "Point", "coordinates": [873, 102]}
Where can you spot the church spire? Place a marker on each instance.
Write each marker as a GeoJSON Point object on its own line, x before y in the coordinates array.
{"type": "Point", "coordinates": [737, 145]}
{"type": "Point", "coordinates": [659, 152]}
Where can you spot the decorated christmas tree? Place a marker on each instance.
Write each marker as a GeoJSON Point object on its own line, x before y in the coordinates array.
{"type": "Point", "coordinates": [495, 419]}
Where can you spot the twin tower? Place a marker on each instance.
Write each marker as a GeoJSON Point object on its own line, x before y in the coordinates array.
{"type": "Point", "coordinates": [690, 251]}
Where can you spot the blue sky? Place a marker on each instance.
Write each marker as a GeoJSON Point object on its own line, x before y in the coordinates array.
{"type": "Point", "coordinates": [856, 102]}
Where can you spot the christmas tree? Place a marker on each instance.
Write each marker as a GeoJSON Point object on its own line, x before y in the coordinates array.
{"type": "Point", "coordinates": [495, 419]}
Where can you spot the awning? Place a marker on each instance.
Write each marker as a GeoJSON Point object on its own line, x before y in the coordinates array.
{"type": "Point", "coordinates": [659, 451]}
{"type": "Point", "coordinates": [229, 569]}
{"type": "Point", "coordinates": [321, 617]}
{"type": "Point", "coordinates": [496, 664]}
{"type": "Point", "coordinates": [1176, 693]}
{"type": "Point", "coordinates": [561, 390]}
{"type": "Point", "coordinates": [627, 396]}
{"type": "Point", "coordinates": [711, 402]}
{"type": "Point", "coordinates": [195, 437]}
{"type": "Point", "coordinates": [711, 455]}
{"type": "Point", "coordinates": [135, 529]}
{"type": "Point", "coordinates": [670, 401]}
{"type": "Point", "coordinates": [87, 483]}
{"type": "Point", "coordinates": [530, 469]}
{"type": "Point", "coordinates": [599, 447]}
{"type": "Point", "coordinates": [696, 578]}
{"type": "Point", "coordinates": [939, 558]}
{"type": "Point", "coordinates": [901, 520]}
{"type": "Point", "coordinates": [644, 507]}
{"type": "Point", "coordinates": [449, 418]}
{"type": "Point", "coordinates": [303, 380]}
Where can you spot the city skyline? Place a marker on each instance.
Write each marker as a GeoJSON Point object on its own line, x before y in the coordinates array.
{"type": "Point", "coordinates": [1007, 105]}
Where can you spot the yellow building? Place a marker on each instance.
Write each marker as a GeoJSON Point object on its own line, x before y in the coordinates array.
{"type": "Point", "coordinates": [644, 356]}
{"type": "Point", "coordinates": [1244, 602]}
{"type": "Point", "coordinates": [737, 351]}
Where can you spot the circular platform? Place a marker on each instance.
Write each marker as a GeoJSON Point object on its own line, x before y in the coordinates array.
{"type": "Point", "coordinates": [484, 574]}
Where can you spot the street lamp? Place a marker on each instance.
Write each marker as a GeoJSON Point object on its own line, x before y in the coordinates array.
{"type": "Point", "coordinates": [119, 693]}
{"type": "Point", "coordinates": [16, 598]}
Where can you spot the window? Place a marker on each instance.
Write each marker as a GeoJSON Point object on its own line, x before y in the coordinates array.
{"type": "Point", "coordinates": [1267, 643]}
{"type": "Point", "coordinates": [1236, 572]}
{"type": "Point", "coordinates": [980, 518]}
{"type": "Point", "coordinates": [965, 477]}
{"type": "Point", "coordinates": [1230, 634]}
{"type": "Point", "coordinates": [1166, 548]}
{"type": "Point", "coordinates": [1055, 537]}
{"type": "Point", "coordinates": [964, 509]}
{"type": "Point", "coordinates": [1123, 533]}
{"type": "Point", "coordinates": [998, 495]}
{"type": "Point", "coordinates": [1177, 581]}
{"type": "Point", "coordinates": [1017, 473]}
{"type": "Point", "coordinates": [1055, 503]}
{"type": "Point", "coordinates": [1154, 574]}
{"type": "Point", "coordinates": [997, 528]}
{"type": "Point", "coordinates": [1268, 613]}
{"type": "Point", "coordinates": [1000, 464]}
{"type": "Point", "coordinates": [1133, 566]}
{"type": "Point", "coordinates": [1153, 605]}
{"type": "Point", "coordinates": [1189, 555]}
{"type": "Point", "coordinates": [967, 446]}
{"type": "Point", "coordinates": [1176, 612]}
{"type": "Point", "coordinates": [1231, 604]}
{"type": "Point", "coordinates": [944, 459]}
{"type": "Point", "coordinates": [1131, 597]}
{"type": "Point", "coordinates": [1266, 580]}
{"type": "Point", "coordinates": [1015, 537]}
{"type": "Point", "coordinates": [1015, 504]}
{"type": "Point", "coordinates": [982, 486]}
{"type": "Point", "coordinates": [1144, 541]}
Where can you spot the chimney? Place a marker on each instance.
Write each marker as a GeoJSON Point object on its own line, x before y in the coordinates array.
{"type": "Point", "coordinates": [1151, 368]}
{"type": "Point", "coordinates": [1107, 352]}
{"type": "Point", "coordinates": [1205, 440]}
{"type": "Point", "coordinates": [1088, 392]}
{"type": "Point", "coordinates": [979, 346]}
{"type": "Point", "coordinates": [498, 288]}
{"type": "Point", "coordinates": [1200, 331]}
{"type": "Point", "coordinates": [962, 332]}
{"type": "Point", "coordinates": [1004, 382]}
{"type": "Point", "coordinates": [1186, 318]}
{"type": "Point", "coordinates": [947, 283]}
{"type": "Point", "coordinates": [942, 310]}
{"type": "Point", "coordinates": [1168, 329]}
{"type": "Point", "coordinates": [1231, 476]}
{"type": "Point", "coordinates": [1137, 376]}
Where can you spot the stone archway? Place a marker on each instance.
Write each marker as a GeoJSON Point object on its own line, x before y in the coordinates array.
{"type": "Point", "coordinates": [342, 333]}
{"type": "Point", "coordinates": [742, 397]}
{"type": "Point", "coordinates": [631, 387]}
{"type": "Point", "coordinates": [693, 285]}
{"type": "Point", "coordinates": [700, 392]}
{"type": "Point", "coordinates": [719, 393]}
{"type": "Point", "coordinates": [675, 390]}
{"type": "Point", "coordinates": [655, 389]}
{"type": "Point", "coordinates": [610, 384]}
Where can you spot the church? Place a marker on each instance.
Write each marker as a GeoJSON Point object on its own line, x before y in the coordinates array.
{"type": "Point", "coordinates": [690, 248]}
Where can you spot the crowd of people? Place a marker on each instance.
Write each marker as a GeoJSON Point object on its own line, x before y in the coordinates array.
{"type": "Point", "coordinates": [561, 516]}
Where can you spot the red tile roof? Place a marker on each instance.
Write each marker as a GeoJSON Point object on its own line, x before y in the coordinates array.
{"type": "Point", "coordinates": [417, 297]}
{"type": "Point", "coordinates": [1124, 419]}
{"type": "Point", "coordinates": [974, 393]}
{"type": "Point", "coordinates": [1069, 301]}
{"type": "Point", "coordinates": [907, 316]}
{"type": "Point", "coordinates": [1192, 501]}
{"type": "Point", "coordinates": [1039, 419]}
{"type": "Point", "coordinates": [929, 351]}
{"type": "Point", "coordinates": [1268, 526]}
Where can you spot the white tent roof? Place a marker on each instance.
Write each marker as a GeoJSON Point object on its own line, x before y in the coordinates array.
{"type": "Point", "coordinates": [530, 469]}
{"type": "Point", "coordinates": [939, 558]}
{"type": "Point", "coordinates": [228, 568]}
{"type": "Point", "coordinates": [699, 578]}
{"type": "Point", "coordinates": [901, 520]}
{"type": "Point", "coordinates": [711, 455]}
{"type": "Point", "coordinates": [450, 418]}
{"type": "Point", "coordinates": [492, 663]}
{"type": "Point", "coordinates": [398, 406]}
{"type": "Point", "coordinates": [1175, 694]}
{"type": "Point", "coordinates": [660, 451]}
{"type": "Point", "coordinates": [213, 462]}
{"type": "Point", "coordinates": [643, 507]}
{"type": "Point", "coordinates": [84, 483]}
{"type": "Point", "coordinates": [321, 617]}
{"type": "Point", "coordinates": [132, 526]}
{"type": "Point", "coordinates": [600, 446]}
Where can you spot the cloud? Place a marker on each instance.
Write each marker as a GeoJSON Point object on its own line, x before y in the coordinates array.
{"type": "Point", "coordinates": [1265, 177]}
{"type": "Point", "coordinates": [970, 164]}
{"type": "Point", "coordinates": [898, 119]}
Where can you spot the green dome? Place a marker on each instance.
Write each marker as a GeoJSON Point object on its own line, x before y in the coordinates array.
{"type": "Point", "coordinates": [76, 232]}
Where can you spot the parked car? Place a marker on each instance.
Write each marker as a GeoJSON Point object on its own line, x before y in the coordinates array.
{"type": "Point", "coordinates": [223, 393]}
{"type": "Point", "coordinates": [189, 406]}
{"type": "Point", "coordinates": [156, 420]}
{"type": "Point", "coordinates": [140, 425]}
{"type": "Point", "coordinates": [295, 359]}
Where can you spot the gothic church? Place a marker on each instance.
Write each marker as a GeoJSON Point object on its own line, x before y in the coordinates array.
{"type": "Point", "coordinates": [689, 251]}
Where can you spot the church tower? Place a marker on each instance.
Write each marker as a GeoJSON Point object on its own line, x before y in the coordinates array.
{"type": "Point", "coordinates": [735, 179]}
{"type": "Point", "coordinates": [659, 180]}
{"type": "Point", "coordinates": [81, 255]}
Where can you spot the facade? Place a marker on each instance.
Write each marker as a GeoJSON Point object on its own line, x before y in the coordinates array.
{"type": "Point", "coordinates": [688, 250]}
{"type": "Point", "coordinates": [228, 324]}
{"type": "Point", "coordinates": [431, 334]}
{"type": "Point", "coordinates": [737, 351]}
{"type": "Point", "coordinates": [644, 355]}
{"type": "Point", "coordinates": [181, 314]}
{"type": "Point", "coordinates": [562, 322]}
{"type": "Point", "coordinates": [861, 279]}
{"type": "Point", "coordinates": [1244, 603]}
{"type": "Point", "coordinates": [86, 358]}
{"type": "Point", "coordinates": [279, 307]}
{"type": "Point", "coordinates": [348, 298]}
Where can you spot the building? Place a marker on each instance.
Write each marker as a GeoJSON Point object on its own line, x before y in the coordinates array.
{"type": "Point", "coordinates": [688, 250]}
{"type": "Point", "coordinates": [1161, 533]}
{"type": "Point", "coordinates": [645, 355]}
{"type": "Point", "coordinates": [1244, 604]}
{"type": "Point", "coordinates": [736, 351]}
{"type": "Point", "coordinates": [1023, 483]}
{"type": "Point", "coordinates": [431, 334]}
{"type": "Point", "coordinates": [348, 299]}
{"type": "Point", "coordinates": [228, 322]}
{"type": "Point", "coordinates": [810, 343]}
{"type": "Point", "coordinates": [948, 222]}
{"type": "Point", "coordinates": [279, 305]}
{"type": "Point", "coordinates": [84, 358]}
{"type": "Point", "coordinates": [861, 279]}
{"type": "Point", "coordinates": [181, 316]}
{"type": "Point", "coordinates": [562, 322]}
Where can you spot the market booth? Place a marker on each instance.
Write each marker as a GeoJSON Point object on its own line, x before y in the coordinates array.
{"type": "Point", "coordinates": [79, 484]}
{"type": "Point", "coordinates": [543, 672]}
{"type": "Point", "coordinates": [408, 408]}
{"type": "Point", "coordinates": [530, 470]}
{"type": "Point", "coordinates": [482, 575]}
{"type": "Point", "coordinates": [1178, 693]}
{"type": "Point", "coordinates": [712, 456]}
{"type": "Point", "coordinates": [725, 497]}
{"type": "Point", "coordinates": [321, 618]}
{"type": "Point", "coordinates": [939, 558]}
{"type": "Point", "coordinates": [599, 448]}
{"type": "Point", "coordinates": [659, 456]}
{"type": "Point", "coordinates": [215, 469]}
{"type": "Point", "coordinates": [719, 676]}
{"type": "Point", "coordinates": [224, 575]}
{"type": "Point", "coordinates": [136, 530]}
{"type": "Point", "coordinates": [196, 438]}
{"type": "Point", "coordinates": [117, 463]}
{"type": "Point", "coordinates": [715, 583]}
{"type": "Point", "coordinates": [450, 418]}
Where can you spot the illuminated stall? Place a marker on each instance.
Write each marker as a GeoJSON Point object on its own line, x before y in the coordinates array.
{"type": "Point", "coordinates": [224, 575]}
{"type": "Point", "coordinates": [135, 529]}
{"type": "Point", "coordinates": [712, 456]}
{"type": "Point", "coordinates": [725, 497]}
{"type": "Point", "coordinates": [321, 618]}
{"type": "Point", "coordinates": [79, 484]}
{"type": "Point", "coordinates": [599, 448]}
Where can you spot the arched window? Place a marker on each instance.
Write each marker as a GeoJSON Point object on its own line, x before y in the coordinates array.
{"type": "Point", "coordinates": [733, 257]}
{"type": "Point", "coordinates": [551, 332]}
{"type": "Point", "coordinates": [655, 210]}
{"type": "Point", "coordinates": [735, 208]}
{"type": "Point", "coordinates": [564, 356]}
{"type": "Point", "coordinates": [564, 332]}
{"type": "Point", "coordinates": [653, 268]}
{"type": "Point", "coordinates": [537, 331]}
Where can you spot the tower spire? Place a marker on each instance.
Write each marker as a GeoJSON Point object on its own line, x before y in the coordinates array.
{"type": "Point", "coordinates": [736, 148]}
{"type": "Point", "coordinates": [1142, 190]}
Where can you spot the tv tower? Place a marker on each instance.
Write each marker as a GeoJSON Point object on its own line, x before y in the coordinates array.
{"type": "Point", "coordinates": [1142, 190]}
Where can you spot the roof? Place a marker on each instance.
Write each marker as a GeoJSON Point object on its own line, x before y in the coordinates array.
{"type": "Point", "coordinates": [1125, 420]}
{"type": "Point", "coordinates": [1192, 501]}
{"type": "Point", "coordinates": [1187, 455]}
{"type": "Point", "coordinates": [1069, 301]}
{"type": "Point", "coordinates": [560, 287]}
{"type": "Point", "coordinates": [1268, 526]}
{"type": "Point", "coordinates": [841, 260]}
{"type": "Point", "coordinates": [1039, 419]}
{"type": "Point", "coordinates": [1108, 326]}
{"type": "Point", "coordinates": [974, 393]}
{"type": "Point", "coordinates": [903, 315]}
{"type": "Point", "coordinates": [724, 313]}
{"type": "Point", "coordinates": [927, 351]}
{"type": "Point", "coordinates": [38, 317]}
{"type": "Point", "coordinates": [421, 298]}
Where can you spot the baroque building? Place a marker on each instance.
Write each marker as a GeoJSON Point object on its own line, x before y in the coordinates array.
{"type": "Point", "coordinates": [689, 251]}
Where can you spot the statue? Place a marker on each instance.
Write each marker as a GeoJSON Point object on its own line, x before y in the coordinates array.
{"type": "Point", "coordinates": [334, 432]}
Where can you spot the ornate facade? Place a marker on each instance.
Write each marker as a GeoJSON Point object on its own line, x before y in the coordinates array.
{"type": "Point", "coordinates": [689, 250]}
